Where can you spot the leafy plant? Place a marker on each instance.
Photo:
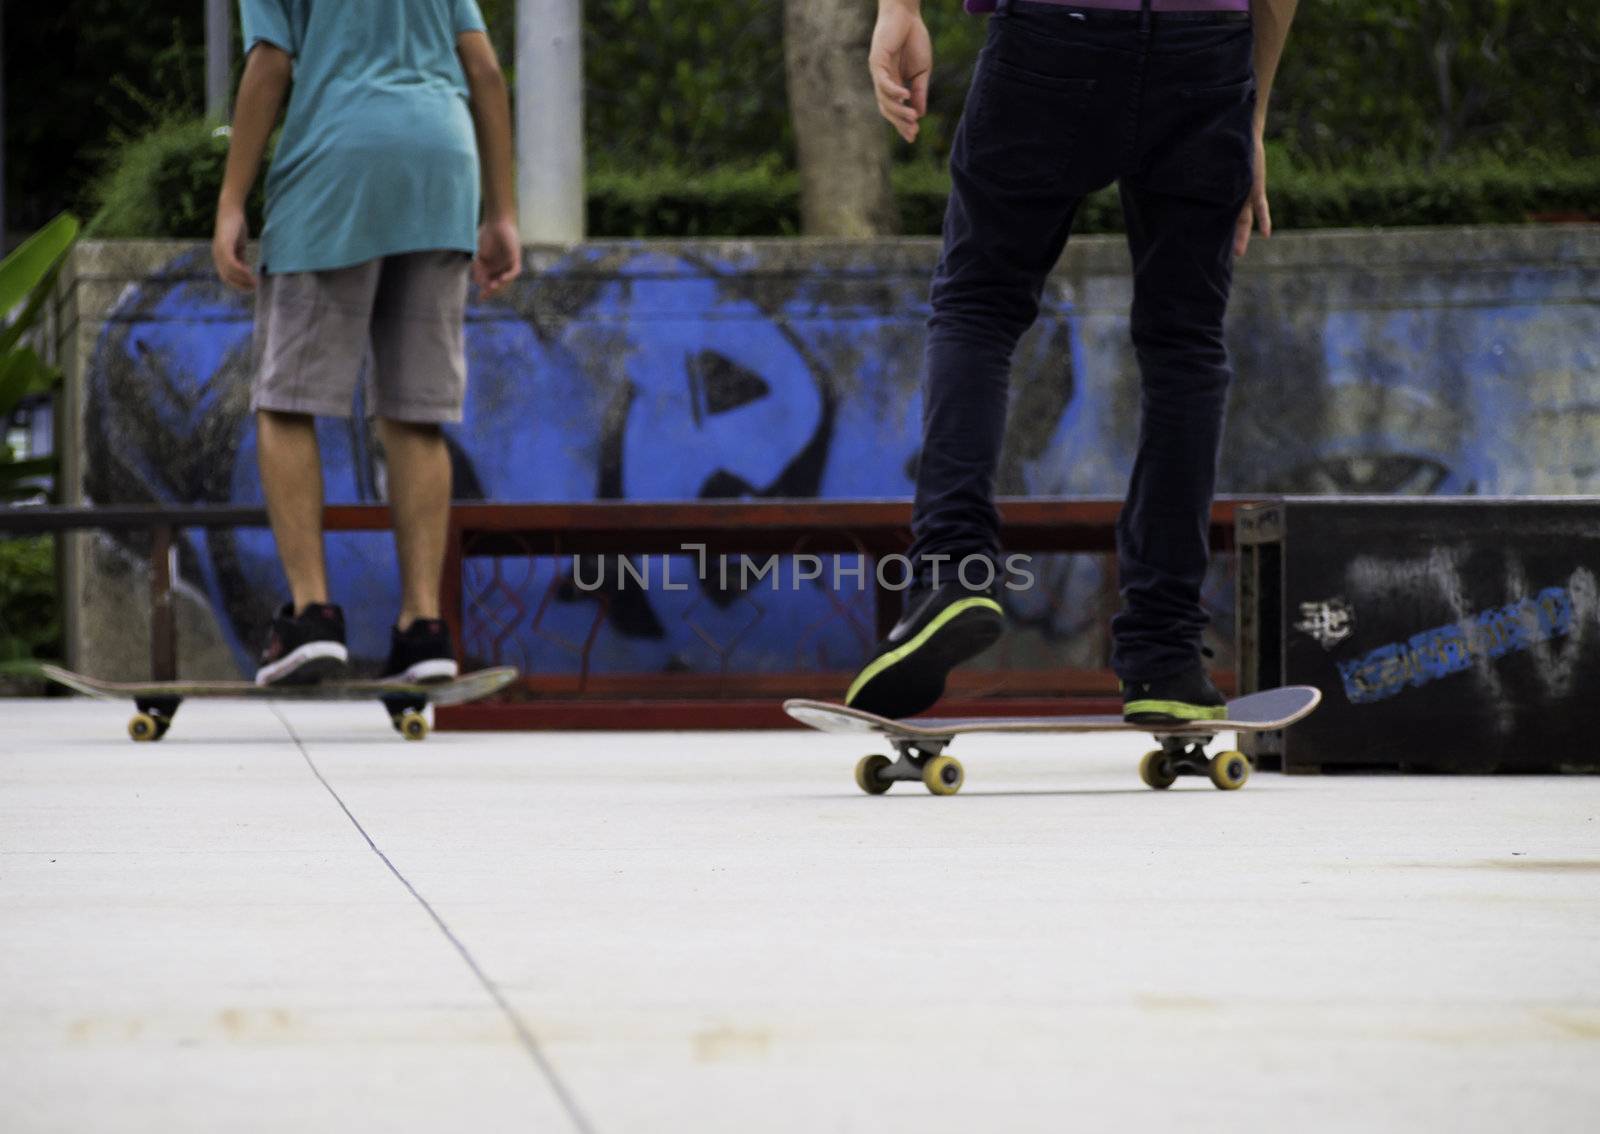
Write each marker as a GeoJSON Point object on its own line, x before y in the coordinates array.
{"type": "Point", "coordinates": [30, 625]}
{"type": "Point", "coordinates": [700, 83]}
{"type": "Point", "coordinates": [165, 184]}
{"type": "Point", "coordinates": [26, 277]}
{"type": "Point", "coordinates": [28, 610]}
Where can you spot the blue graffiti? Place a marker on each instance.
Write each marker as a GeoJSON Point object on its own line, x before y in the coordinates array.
{"type": "Point", "coordinates": [618, 374]}
{"type": "Point", "coordinates": [677, 372]}
{"type": "Point", "coordinates": [1444, 650]}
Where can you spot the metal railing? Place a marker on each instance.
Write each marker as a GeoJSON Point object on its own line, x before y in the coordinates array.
{"type": "Point", "coordinates": [162, 523]}
{"type": "Point", "coordinates": [495, 531]}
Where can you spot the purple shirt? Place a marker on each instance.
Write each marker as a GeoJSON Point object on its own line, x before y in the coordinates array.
{"type": "Point", "coordinates": [979, 7]}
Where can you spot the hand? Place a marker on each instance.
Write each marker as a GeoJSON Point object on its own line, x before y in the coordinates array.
{"type": "Point", "coordinates": [1255, 213]}
{"type": "Point", "coordinates": [228, 239]}
{"type": "Point", "coordinates": [499, 258]}
{"type": "Point", "coordinates": [900, 61]}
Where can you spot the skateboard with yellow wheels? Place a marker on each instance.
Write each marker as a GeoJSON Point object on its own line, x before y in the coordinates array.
{"type": "Point", "coordinates": [919, 742]}
{"type": "Point", "coordinates": [157, 702]}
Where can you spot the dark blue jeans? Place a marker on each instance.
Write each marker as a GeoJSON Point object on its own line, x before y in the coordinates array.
{"type": "Point", "coordinates": [1062, 105]}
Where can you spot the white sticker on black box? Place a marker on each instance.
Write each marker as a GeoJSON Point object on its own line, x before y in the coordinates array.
{"type": "Point", "coordinates": [1329, 622]}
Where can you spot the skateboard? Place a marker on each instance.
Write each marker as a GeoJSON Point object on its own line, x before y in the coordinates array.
{"type": "Point", "coordinates": [157, 701]}
{"type": "Point", "coordinates": [919, 742]}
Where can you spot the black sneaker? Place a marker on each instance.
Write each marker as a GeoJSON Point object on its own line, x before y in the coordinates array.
{"type": "Point", "coordinates": [421, 652]}
{"type": "Point", "coordinates": [304, 648]}
{"type": "Point", "coordinates": [941, 629]}
{"type": "Point", "coordinates": [1186, 696]}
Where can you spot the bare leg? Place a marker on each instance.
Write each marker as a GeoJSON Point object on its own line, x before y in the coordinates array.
{"type": "Point", "coordinates": [419, 499]}
{"type": "Point", "coordinates": [291, 474]}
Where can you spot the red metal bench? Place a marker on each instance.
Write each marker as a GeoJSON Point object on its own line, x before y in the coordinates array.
{"type": "Point", "coordinates": [872, 528]}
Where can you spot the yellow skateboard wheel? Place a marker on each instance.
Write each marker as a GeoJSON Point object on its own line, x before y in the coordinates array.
{"type": "Point", "coordinates": [144, 727]}
{"type": "Point", "coordinates": [1229, 770]}
{"type": "Point", "coordinates": [412, 725]}
{"type": "Point", "coordinates": [869, 774]}
{"type": "Point", "coordinates": [1156, 770]}
{"type": "Point", "coordinates": [943, 775]}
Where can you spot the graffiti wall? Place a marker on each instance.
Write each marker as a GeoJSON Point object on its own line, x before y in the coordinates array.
{"type": "Point", "coordinates": [1424, 362]}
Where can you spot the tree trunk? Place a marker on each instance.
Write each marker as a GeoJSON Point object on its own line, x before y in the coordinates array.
{"type": "Point", "coordinates": [843, 144]}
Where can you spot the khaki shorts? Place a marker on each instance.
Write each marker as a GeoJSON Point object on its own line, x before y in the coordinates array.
{"type": "Point", "coordinates": [401, 315]}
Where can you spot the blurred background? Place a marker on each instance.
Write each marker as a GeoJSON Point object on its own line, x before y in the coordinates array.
{"type": "Point", "coordinates": [1423, 325]}
{"type": "Point", "coordinates": [1386, 112]}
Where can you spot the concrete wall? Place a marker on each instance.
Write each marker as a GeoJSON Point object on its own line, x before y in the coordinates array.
{"type": "Point", "coordinates": [1429, 361]}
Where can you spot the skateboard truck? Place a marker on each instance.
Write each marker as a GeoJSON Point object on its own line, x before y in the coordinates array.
{"type": "Point", "coordinates": [917, 760]}
{"type": "Point", "coordinates": [405, 713]}
{"type": "Point", "coordinates": [153, 718]}
{"type": "Point", "coordinates": [1185, 755]}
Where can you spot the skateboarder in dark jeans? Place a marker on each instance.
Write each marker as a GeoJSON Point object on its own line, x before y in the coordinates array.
{"type": "Point", "coordinates": [1167, 98]}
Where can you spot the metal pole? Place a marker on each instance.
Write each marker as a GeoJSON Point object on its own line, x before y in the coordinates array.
{"type": "Point", "coordinates": [4, 247]}
{"type": "Point", "coordinates": [550, 194]}
{"type": "Point", "coordinates": [163, 620]}
{"type": "Point", "coordinates": [219, 59]}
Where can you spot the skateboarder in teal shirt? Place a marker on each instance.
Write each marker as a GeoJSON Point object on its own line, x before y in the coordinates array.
{"type": "Point", "coordinates": [397, 112]}
{"type": "Point", "coordinates": [1167, 98]}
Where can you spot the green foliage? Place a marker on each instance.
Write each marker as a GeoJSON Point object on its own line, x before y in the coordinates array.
{"type": "Point", "coordinates": [1482, 191]}
{"type": "Point", "coordinates": [165, 184]}
{"type": "Point", "coordinates": [765, 201]}
{"type": "Point", "coordinates": [1385, 112]}
{"type": "Point", "coordinates": [28, 271]}
{"type": "Point", "coordinates": [26, 277]}
{"type": "Point", "coordinates": [81, 75]}
{"type": "Point", "coordinates": [699, 84]}
{"type": "Point", "coordinates": [696, 83]}
{"type": "Point", "coordinates": [168, 182]}
{"type": "Point", "coordinates": [1427, 80]}
{"type": "Point", "coordinates": [727, 201]}
{"type": "Point", "coordinates": [30, 626]}
{"type": "Point", "coordinates": [686, 83]}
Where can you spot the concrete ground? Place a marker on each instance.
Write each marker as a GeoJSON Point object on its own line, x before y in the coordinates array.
{"type": "Point", "coordinates": [283, 918]}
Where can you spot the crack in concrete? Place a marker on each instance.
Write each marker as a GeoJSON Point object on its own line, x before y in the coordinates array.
{"type": "Point", "coordinates": [524, 1033]}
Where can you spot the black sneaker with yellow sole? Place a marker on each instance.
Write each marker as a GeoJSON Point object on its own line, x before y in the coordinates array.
{"type": "Point", "coordinates": [942, 628]}
{"type": "Point", "coordinates": [1186, 696]}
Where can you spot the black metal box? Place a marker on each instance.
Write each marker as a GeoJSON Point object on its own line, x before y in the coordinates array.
{"type": "Point", "coordinates": [1446, 633]}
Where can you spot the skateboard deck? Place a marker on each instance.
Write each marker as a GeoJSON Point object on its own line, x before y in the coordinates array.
{"type": "Point", "coordinates": [920, 741]}
{"type": "Point", "coordinates": [158, 701]}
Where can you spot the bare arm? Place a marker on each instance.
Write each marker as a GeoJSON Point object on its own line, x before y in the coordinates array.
{"type": "Point", "coordinates": [499, 258]}
{"type": "Point", "coordinates": [900, 61]}
{"type": "Point", "coordinates": [267, 74]}
{"type": "Point", "coordinates": [1269, 20]}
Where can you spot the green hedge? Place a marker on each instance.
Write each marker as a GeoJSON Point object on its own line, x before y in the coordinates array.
{"type": "Point", "coordinates": [700, 83]}
{"type": "Point", "coordinates": [763, 202]}
{"type": "Point", "coordinates": [29, 626]}
{"type": "Point", "coordinates": [1484, 192]}
{"type": "Point", "coordinates": [165, 185]}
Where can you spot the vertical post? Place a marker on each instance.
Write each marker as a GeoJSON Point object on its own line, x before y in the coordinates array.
{"type": "Point", "coordinates": [4, 248]}
{"type": "Point", "coordinates": [163, 623]}
{"type": "Point", "coordinates": [451, 602]}
{"type": "Point", "coordinates": [219, 59]}
{"type": "Point", "coordinates": [549, 54]}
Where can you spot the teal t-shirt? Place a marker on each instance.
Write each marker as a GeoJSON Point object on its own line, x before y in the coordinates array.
{"type": "Point", "coordinates": [377, 154]}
